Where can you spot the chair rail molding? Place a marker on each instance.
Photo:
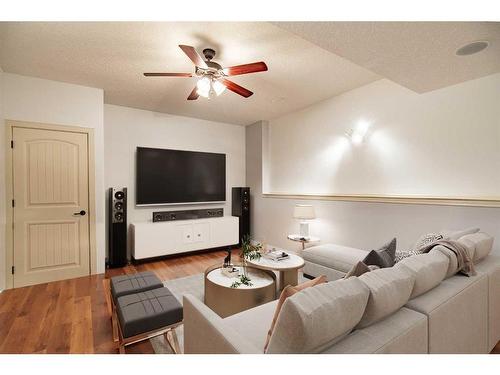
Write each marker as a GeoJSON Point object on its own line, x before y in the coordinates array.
{"type": "Point", "coordinates": [394, 199]}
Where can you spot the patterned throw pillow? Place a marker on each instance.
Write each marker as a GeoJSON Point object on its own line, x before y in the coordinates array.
{"type": "Point", "coordinates": [401, 254]}
{"type": "Point", "coordinates": [427, 239]}
{"type": "Point", "coordinates": [422, 242]}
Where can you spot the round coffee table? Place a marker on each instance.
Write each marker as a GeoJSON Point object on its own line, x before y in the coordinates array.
{"type": "Point", "coordinates": [288, 268]}
{"type": "Point", "coordinates": [225, 301]}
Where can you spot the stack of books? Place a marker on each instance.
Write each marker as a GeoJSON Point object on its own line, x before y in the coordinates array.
{"type": "Point", "coordinates": [276, 255]}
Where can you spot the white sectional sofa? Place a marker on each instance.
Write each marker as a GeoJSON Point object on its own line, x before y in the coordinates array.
{"type": "Point", "coordinates": [421, 305]}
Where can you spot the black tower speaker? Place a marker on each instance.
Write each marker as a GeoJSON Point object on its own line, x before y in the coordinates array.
{"type": "Point", "coordinates": [241, 208]}
{"type": "Point", "coordinates": [117, 226]}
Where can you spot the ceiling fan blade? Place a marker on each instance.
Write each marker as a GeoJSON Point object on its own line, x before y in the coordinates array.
{"type": "Point", "coordinates": [246, 68]}
{"type": "Point", "coordinates": [236, 88]}
{"type": "Point", "coordinates": [168, 74]}
{"type": "Point", "coordinates": [194, 56]}
{"type": "Point", "coordinates": [194, 94]}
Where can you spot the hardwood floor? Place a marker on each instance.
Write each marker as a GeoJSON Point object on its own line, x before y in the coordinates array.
{"type": "Point", "coordinates": [71, 316]}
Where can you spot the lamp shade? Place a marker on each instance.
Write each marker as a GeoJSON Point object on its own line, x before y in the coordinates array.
{"type": "Point", "coordinates": [303, 211]}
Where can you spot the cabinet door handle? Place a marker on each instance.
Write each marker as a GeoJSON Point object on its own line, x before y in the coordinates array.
{"type": "Point", "coordinates": [199, 235]}
{"type": "Point", "coordinates": [188, 236]}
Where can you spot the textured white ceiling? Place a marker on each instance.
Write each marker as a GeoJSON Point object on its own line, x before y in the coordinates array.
{"type": "Point", "coordinates": [113, 56]}
{"type": "Point", "coordinates": [417, 55]}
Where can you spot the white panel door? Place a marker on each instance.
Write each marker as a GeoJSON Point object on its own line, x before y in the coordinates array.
{"type": "Point", "coordinates": [51, 195]}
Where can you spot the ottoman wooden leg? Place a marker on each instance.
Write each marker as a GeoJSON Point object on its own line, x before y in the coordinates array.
{"type": "Point", "coordinates": [114, 326]}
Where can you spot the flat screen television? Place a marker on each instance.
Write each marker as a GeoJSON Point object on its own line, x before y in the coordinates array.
{"type": "Point", "coordinates": [179, 177]}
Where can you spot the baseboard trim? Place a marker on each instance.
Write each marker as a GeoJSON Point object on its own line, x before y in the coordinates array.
{"type": "Point", "coordinates": [394, 199]}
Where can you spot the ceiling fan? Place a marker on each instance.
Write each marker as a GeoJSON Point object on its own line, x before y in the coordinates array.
{"type": "Point", "coordinates": [212, 76]}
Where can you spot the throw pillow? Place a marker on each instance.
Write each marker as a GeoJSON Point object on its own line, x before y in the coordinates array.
{"type": "Point", "coordinates": [288, 292]}
{"type": "Point", "coordinates": [357, 270]}
{"type": "Point", "coordinates": [402, 254]}
{"type": "Point", "coordinates": [383, 257]}
{"type": "Point", "coordinates": [426, 239]}
{"type": "Point", "coordinates": [316, 318]}
{"type": "Point", "coordinates": [423, 241]}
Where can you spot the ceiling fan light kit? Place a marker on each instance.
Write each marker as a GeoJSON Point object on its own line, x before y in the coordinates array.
{"type": "Point", "coordinates": [209, 87]}
{"type": "Point", "coordinates": [212, 76]}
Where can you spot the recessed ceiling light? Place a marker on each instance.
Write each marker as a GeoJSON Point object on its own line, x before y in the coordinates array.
{"type": "Point", "coordinates": [472, 48]}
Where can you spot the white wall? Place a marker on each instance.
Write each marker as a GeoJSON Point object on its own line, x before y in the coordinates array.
{"type": "Point", "coordinates": [125, 129]}
{"type": "Point", "coordinates": [446, 142]}
{"type": "Point", "coordinates": [2, 189]}
{"type": "Point", "coordinates": [45, 101]}
{"type": "Point", "coordinates": [442, 143]}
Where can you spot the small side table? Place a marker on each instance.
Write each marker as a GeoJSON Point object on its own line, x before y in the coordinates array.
{"type": "Point", "coordinates": [302, 240]}
{"type": "Point", "coordinates": [288, 268]}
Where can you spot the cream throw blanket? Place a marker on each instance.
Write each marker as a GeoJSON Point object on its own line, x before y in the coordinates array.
{"type": "Point", "coordinates": [465, 264]}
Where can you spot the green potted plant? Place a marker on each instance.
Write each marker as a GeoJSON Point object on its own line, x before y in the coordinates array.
{"type": "Point", "coordinates": [249, 251]}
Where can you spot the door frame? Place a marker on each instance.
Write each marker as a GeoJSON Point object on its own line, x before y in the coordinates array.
{"type": "Point", "coordinates": [9, 191]}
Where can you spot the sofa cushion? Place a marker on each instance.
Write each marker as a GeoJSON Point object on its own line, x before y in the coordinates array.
{"type": "Point", "coordinates": [481, 242]}
{"type": "Point", "coordinates": [456, 234]}
{"type": "Point", "coordinates": [286, 293]}
{"type": "Point", "coordinates": [404, 332]}
{"type": "Point", "coordinates": [429, 270]}
{"type": "Point", "coordinates": [390, 289]}
{"type": "Point", "coordinates": [340, 258]}
{"type": "Point", "coordinates": [383, 257]}
{"type": "Point", "coordinates": [457, 310]}
{"type": "Point", "coordinates": [490, 266]}
{"type": "Point", "coordinates": [315, 318]}
{"type": "Point", "coordinates": [470, 246]}
{"type": "Point", "coordinates": [253, 324]}
{"type": "Point", "coordinates": [312, 270]}
{"type": "Point", "coordinates": [448, 289]}
{"type": "Point", "coordinates": [452, 259]}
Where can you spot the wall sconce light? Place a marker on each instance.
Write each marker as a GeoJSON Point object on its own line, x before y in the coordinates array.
{"type": "Point", "coordinates": [359, 133]}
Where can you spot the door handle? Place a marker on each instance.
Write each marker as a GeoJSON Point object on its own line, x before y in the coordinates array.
{"type": "Point", "coordinates": [81, 213]}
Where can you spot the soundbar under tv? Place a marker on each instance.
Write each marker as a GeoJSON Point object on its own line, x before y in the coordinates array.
{"type": "Point", "coordinates": [170, 177]}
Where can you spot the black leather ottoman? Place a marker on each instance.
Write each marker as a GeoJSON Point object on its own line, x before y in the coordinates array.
{"type": "Point", "coordinates": [147, 314]}
{"type": "Point", "coordinates": [129, 284]}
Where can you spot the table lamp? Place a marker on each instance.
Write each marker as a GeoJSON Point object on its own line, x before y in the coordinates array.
{"type": "Point", "coordinates": [304, 212]}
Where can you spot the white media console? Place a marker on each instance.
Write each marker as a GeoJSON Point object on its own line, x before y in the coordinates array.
{"type": "Point", "coordinates": [174, 237]}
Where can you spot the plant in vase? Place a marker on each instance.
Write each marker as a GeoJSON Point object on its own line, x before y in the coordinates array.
{"type": "Point", "coordinates": [249, 251]}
